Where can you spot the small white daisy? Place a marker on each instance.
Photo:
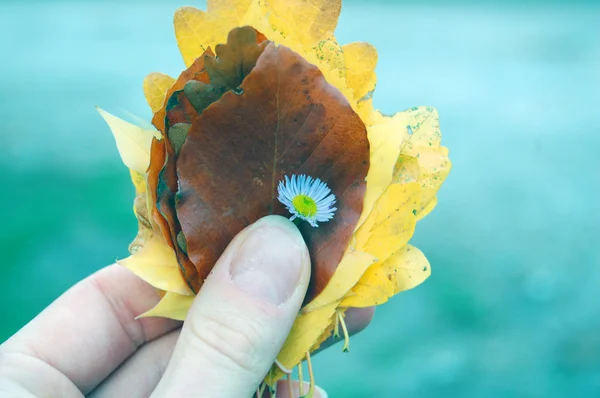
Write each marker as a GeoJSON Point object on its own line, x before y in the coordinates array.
{"type": "Point", "coordinates": [306, 198]}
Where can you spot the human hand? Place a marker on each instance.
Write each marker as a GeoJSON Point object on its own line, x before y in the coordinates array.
{"type": "Point", "coordinates": [88, 343]}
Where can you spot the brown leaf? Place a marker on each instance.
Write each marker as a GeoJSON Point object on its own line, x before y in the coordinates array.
{"type": "Point", "coordinates": [179, 110]}
{"type": "Point", "coordinates": [157, 161]}
{"type": "Point", "coordinates": [165, 205]}
{"type": "Point", "coordinates": [157, 165]}
{"type": "Point", "coordinates": [228, 69]}
{"type": "Point", "coordinates": [177, 124]}
{"type": "Point", "coordinates": [285, 119]}
{"type": "Point", "coordinates": [197, 72]}
{"type": "Point", "coordinates": [236, 60]}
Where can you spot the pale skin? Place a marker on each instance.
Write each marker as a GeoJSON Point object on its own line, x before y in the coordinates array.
{"type": "Point", "coordinates": [88, 343]}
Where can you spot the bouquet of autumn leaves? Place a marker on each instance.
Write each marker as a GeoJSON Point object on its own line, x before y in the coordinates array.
{"type": "Point", "coordinates": [273, 116]}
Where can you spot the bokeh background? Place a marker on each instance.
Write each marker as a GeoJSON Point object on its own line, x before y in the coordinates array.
{"type": "Point", "coordinates": [512, 308]}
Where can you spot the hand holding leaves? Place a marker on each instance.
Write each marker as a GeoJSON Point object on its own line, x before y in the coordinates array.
{"type": "Point", "coordinates": [280, 100]}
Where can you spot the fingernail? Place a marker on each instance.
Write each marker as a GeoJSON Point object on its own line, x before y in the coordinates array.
{"type": "Point", "coordinates": [283, 389]}
{"type": "Point", "coordinates": [268, 263]}
{"type": "Point", "coordinates": [321, 392]}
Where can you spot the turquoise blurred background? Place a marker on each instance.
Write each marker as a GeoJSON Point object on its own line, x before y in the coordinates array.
{"type": "Point", "coordinates": [512, 308]}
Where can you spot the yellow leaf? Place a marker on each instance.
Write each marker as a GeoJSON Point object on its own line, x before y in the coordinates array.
{"type": "Point", "coordinates": [196, 30]}
{"type": "Point", "coordinates": [141, 211]}
{"type": "Point", "coordinates": [156, 86]}
{"type": "Point", "coordinates": [360, 60]}
{"type": "Point", "coordinates": [330, 60]}
{"type": "Point", "coordinates": [229, 10]}
{"type": "Point", "coordinates": [327, 55]}
{"type": "Point", "coordinates": [385, 139]}
{"type": "Point", "coordinates": [392, 221]}
{"type": "Point", "coordinates": [404, 270]}
{"type": "Point", "coordinates": [435, 167]}
{"type": "Point", "coordinates": [305, 332]}
{"type": "Point", "coordinates": [427, 209]}
{"type": "Point", "coordinates": [310, 21]}
{"type": "Point", "coordinates": [255, 16]}
{"type": "Point", "coordinates": [155, 262]}
{"type": "Point", "coordinates": [407, 268]}
{"type": "Point", "coordinates": [133, 142]}
{"type": "Point", "coordinates": [145, 230]}
{"type": "Point", "coordinates": [352, 266]}
{"type": "Point", "coordinates": [406, 169]}
{"type": "Point", "coordinates": [425, 144]}
{"type": "Point", "coordinates": [172, 305]}
{"type": "Point", "coordinates": [192, 31]}
{"type": "Point", "coordinates": [373, 288]}
{"type": "Point", "coordinates": [364, 108]}
{"type": "Point", "coordinates": [328, 332]}
{"type": "Point", "coordinates": [415, 133]}
{"type": "Point", "coordinates": [139, 182]}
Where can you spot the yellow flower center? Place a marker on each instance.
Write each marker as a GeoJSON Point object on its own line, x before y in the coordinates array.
{"type": "Point", "coordinates": [305, 205]}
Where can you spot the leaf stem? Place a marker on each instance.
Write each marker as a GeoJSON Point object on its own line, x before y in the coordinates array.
{"type": "Point", "coordinates": [290, 388]}
{"type": "Point", "coordinates": [311, 375]}
{"type": "Point", "coordinates": [300, 381]}
{"type": "Point", "coordinates": [346, 347]}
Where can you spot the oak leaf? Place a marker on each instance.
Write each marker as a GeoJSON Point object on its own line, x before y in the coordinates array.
{"type": "Point", "coordinates": [195, 71]}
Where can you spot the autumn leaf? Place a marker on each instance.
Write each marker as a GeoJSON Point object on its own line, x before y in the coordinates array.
{"type": "Point", "coordinates": [361, 59]}
{"type": "Point", "coordinates": [163, 226]}
{"type": "Point", "coordinates": [197, 30]}
{"type": "Point", "coordinates": [227, 70]}
{"type": "Point", "coordinates": [173, 305]}
{"type": "Point", "coordinates": [265, 107]}
{"type": "Point", "coordinates": [306, 331]}
{"type": "Point", "coordinates": [235, 60]}
{"type": "Point", "coordinates": [195, 71]}
{"type": "Point", "coordinates": [228, 9]}
{"type": "Point", "coordinates": [184, 103]}
{"type": "Point", "coordinates": [165, 205]}
{"type": "Point", "coordinates": [387, 228]}
{"type": "Point", "coordinates": [285, 119]}
{"type": "Point", "coordinates": [386, 137]}
{"type": "Point", "coordinates": [133, 141]}
{"type": "Point", "coordinates": [392, 221]}
{"type": "Point", "coordinates": [403, 270]}
{"type": "Point", "coordinates": [424, 144]}
{"type": "Point", "coordinates": [155, 263]}
{"type": "Point", "coordinates": [351, 268]}
{"type": "Point", "coordinates": [312, 21]}
{"type": "Point", "coordinates": [156, 86]}
{"type": "Point", "coordinates": [142, 213]}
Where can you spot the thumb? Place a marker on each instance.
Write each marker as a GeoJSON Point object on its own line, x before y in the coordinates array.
{"type": "Point", "coordinates": [242, 315]}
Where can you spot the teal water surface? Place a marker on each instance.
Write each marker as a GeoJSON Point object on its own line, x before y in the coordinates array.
{"type": "Point", "coordinates": [511, 308]}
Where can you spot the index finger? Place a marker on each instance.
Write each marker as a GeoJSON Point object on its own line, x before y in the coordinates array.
{"type": "Point", "coordinates": [91, 329]}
